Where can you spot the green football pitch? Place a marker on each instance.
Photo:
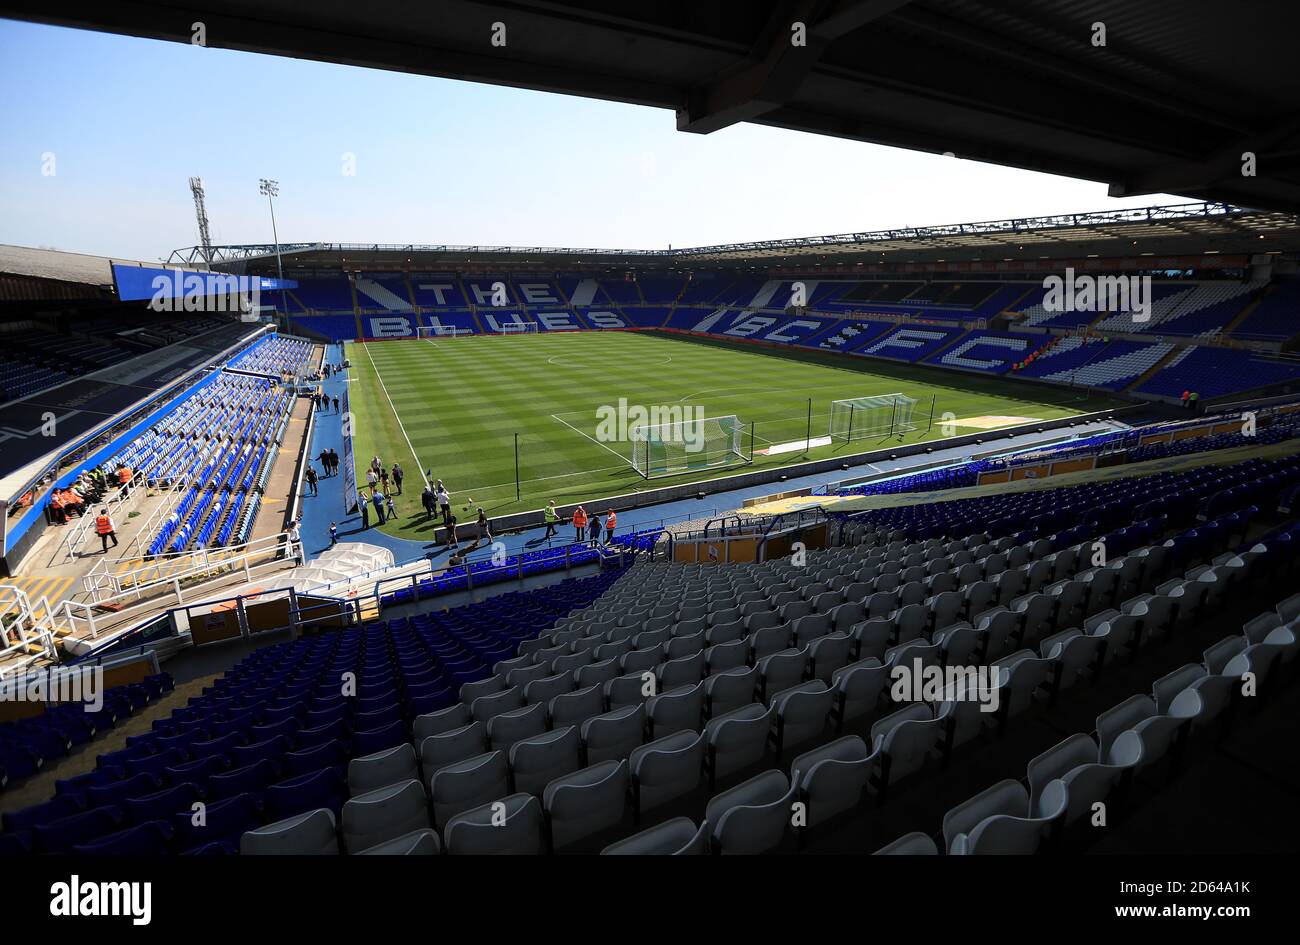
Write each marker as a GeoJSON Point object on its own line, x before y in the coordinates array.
{"type": "Point", "coordinates": [452, 407]}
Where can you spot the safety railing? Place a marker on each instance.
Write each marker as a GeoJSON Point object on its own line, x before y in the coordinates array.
{"type": "Point", "coordinates": [786, 522]}
{"type": "Point", "coordinates": [88, 619]}
{"type": "Point", "coordinates": [300, 616]}
{"type": "Point", "coordinates": [116, 504]}
{"type": "Point", "coordinates": [475, 578]}
{"type": "Point", "coordinates": [105, 585]}
{"type": "Point", "coordinates": [26, 631]}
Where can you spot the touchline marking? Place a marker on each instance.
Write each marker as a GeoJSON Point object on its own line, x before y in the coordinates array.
{"type": "Point", "coordinates": [396, 416]}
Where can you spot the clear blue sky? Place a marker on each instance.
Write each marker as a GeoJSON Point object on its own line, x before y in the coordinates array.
{"type": "Point", "coordinates": [437, 161]}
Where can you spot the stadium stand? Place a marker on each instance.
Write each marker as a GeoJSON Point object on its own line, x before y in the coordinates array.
{"type": "Point", "coordinates": [537, 700]}
{"type": "Point", "coordinates": [988, 351]}
{"type": "Point", "coordinates": [1114, 368]}
{"type": "Point", "coordinates": [1273, 319]}
{"type": "Point", "coordinates": [1215, 372]}
{"type": "Point", "coordinates": [910, 343]}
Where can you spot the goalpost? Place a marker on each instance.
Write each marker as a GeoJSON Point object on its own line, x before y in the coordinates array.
{"type": "Point", "coordinates": [444, 331]}
{"type": "Point", "coordinates": [668, 449]}
{"type": "Point", "coordinates": [517, 328]}
{"type": "Point", "coordinates": [881, 416]}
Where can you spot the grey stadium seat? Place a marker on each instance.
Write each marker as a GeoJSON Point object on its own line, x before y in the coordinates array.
{"type": "Point", "coordinates": [436, 751]}
{"type": "Point", "coordinates": [736, 740]}
{"type": "Point", "coordinates": [676, 837]}
{"type": "Point", "coordinates": [801, 712]}
{"type": "Point", "coordinates": [416, 843]}
{"type": "Point", "coordinates": [467, 784]}
{"type": "Point", "coordinates": [751, 817]}
{"type": "Point", "coordinates": [309, 834]}
{"type": "Point", "coordinates": [535, 762]}
{"type": "Point", "coordinates": [586, 802]}
{"type": "Point", "coordinates": [910, 844]}
{"type": "Point", "coordinates": [830, 779]}
{"type": "Point", "coordinates": [383, 815]}
{"type": "Point", "coordinates": [509, 727]}
{"type": "Point", "coordinates": [612, 735]}
{"type": "Point", "coordinates": [664, 769]}
{"type": "Point", "coordinates": [508, 825]}
{"type": "Point", "coordinates": [381, 769]}
{"type": "Point", "coordinates": [675, 710]}
{"type": "Point", "coordinates": [573, 708]}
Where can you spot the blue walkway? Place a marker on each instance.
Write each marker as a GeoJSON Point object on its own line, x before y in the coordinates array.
{"type": "Point", "coordinates": [319, 511]}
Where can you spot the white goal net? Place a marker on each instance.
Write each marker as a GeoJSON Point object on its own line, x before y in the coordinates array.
{"type": "Point", "coordinates": [669, 449]}
{"type": "Point", "coordinates": [880, 416]}
{"type": "Point", "coordinates": [517, 328]}
{"type": "Point", "coordinates": [444, 331]}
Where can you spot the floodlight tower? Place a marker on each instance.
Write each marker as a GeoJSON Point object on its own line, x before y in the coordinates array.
{"type": "Point", "coordinates": [201, 214]}
{"type": "Point", "coordinates": [271, 188]}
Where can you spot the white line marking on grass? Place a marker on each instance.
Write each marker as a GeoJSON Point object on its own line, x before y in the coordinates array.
{"type": "Point", "coordinates": [593, 439]}
{"type": "Point", "coordinates": [396, 416]}
{"type": "Point", "coordinates": [762, 387]}
{"type": "Point", "coordinates": [570, 475]}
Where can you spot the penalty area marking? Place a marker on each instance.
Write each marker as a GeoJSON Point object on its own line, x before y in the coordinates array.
{"type": "Point", "coordinates": [592, 438]}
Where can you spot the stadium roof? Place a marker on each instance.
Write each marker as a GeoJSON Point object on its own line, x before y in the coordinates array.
{"type": "Point", "coordinates": [1183, 230]}
{"type": "Point", "coordinates": [59, 265]}
{"type": "Point", "coordinates": [1171, 101]}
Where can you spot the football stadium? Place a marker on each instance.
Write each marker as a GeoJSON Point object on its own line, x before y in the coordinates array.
{"type": "Point", "coordinates": [934, 541]}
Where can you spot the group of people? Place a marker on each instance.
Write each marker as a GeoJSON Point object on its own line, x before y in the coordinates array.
{"type": "Point", "coordinates": [585, 527]}
{"type": "Point", "coordinates": [377, 476]}
{"type": "Point", "coordinates": [323, 401]}
{"type": "Point", "coordinates": [329, 460]}
{"type": "Point", "coordinates": [89, 487]}
{"type": "Point", "coordinates": [436, 500]}
{"type": "Point", "coordinates": [72, 500]}
{"type": "Point", "coordinates": [381, 497]}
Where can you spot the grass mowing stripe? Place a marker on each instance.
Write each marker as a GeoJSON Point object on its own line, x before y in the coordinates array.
{"type": "Point", "coordinates": [462, 403]}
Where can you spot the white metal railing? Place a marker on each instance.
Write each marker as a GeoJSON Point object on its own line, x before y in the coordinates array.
{"type": "Point", "coordinates": [324, 612]}
{"type": "Point", "coordinates": [413, 579]}
{"type": "Point", "coordinates": [26, 631]}
{"type": "Point", "coordinates": [88, 619]}
{"type": "Point", "coordinates": [104, 585]}
{"type": "Point", "coordinates": [145, 529]}
{"type": "Point", "coordinates": [115, 503]}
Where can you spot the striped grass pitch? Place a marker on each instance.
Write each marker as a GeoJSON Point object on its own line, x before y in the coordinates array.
{"type": "Point", "coordinates": [452, 406]}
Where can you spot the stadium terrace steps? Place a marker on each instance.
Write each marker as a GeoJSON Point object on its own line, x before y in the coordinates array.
{"type": "Point", "coordinates": [993, 352]}
{"type": "Point", "coordinates": [1120, 363]}
{"type": "Point", "coordinates": [911, 343]}
{"type": "Point", "coordinates": [1216, 372]}
{"type": "Point", "coordinates": [1167, 361]}
{"type": "Point", "coordinates": [850, 333]}
{"type": "Point", "coordinates": [1272, 316]}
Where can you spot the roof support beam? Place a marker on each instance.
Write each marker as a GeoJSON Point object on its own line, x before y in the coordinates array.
{"type": "Point", "coordinates": [776, 67]}
{"type": "Point", "coordinates": [1224, 166]}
